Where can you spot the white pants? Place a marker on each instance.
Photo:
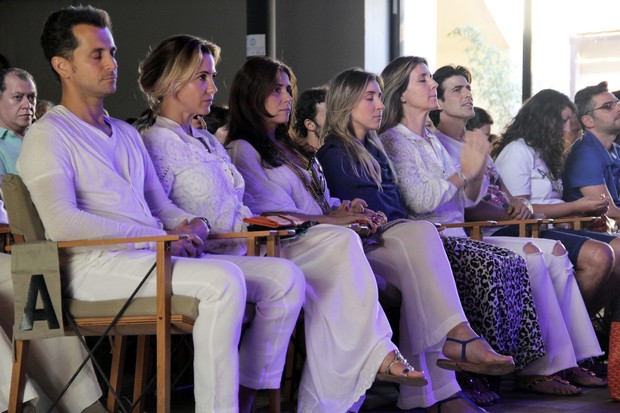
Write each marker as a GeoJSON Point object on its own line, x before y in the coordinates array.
{"type": "Point", "coordinates": [6, 363]}
{"type": "Point", "coordinates": [567, 331]}
{"type": "Point", "coordinates": [414, 260]}
{"type": "Point", "coordinates": [222, 285]}
{"type": "Point", "coordinates": [51, 362]}
{"type": "Point", "coordinates": [347, 333]}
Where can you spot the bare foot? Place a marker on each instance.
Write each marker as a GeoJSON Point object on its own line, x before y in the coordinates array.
{"type": "Point", "coordinates": [478, 351]}
{"type": "Point", "coordinates": [581, 376]}
{"type": "Point", "coordinates": [477, 388]}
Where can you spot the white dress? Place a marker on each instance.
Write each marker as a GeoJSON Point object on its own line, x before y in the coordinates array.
{"type": "Point", "coordinates": [430, 307]}
{"type": "Point", "coordinates": [343, 353]}
{"type": "Point", "coordinates": [566, 327]}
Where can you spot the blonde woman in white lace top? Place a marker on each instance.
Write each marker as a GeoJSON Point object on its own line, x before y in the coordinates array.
{"type": "Point", "coordinates": [177, 77]}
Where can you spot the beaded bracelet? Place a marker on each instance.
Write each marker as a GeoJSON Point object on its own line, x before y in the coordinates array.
{"type": "Point", "coordinates": [465, 181]}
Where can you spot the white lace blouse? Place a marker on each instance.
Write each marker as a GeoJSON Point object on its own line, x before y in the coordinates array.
{"type": "Point", "coordinates": [199, 177]}
{"type": "Point", "coordinates": [423, 168]}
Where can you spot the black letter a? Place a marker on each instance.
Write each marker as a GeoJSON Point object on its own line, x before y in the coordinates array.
{"type": "Point", "coordinates": [31, 313]}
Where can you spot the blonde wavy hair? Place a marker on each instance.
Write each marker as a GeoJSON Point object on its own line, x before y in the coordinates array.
{"type": "Point", "coordinates": [344, 93]}
{"type": "Point", "coordinates": [171, 65]}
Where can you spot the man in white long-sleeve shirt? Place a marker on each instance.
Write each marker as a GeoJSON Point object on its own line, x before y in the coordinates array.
{"type": "Point", "coordinates": [90, 177]}
{"type": "Point", "coordinates": [63, 356]}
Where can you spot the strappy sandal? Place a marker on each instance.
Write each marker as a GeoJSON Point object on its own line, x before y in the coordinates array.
{"type": "Point", "coordinates": [402, 378]}
{"type": "Point", "coordinates": [460, 395]}
{"type": "Point", "coordinates": [533, 385]}
{"type": "Point", "coordinates": [583, 377]}
{"type": "Point", "coordinates": [497, 368]}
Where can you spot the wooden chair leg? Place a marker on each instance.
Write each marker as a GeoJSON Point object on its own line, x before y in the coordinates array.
{"type": "Point", "coordinates": [119, 348]}
{"type": "Point", "coordinates": [142, 365]}
{"type": "Point", "coordinates": [164, 289]}
{"type": "Point", "coordinates": [289, 371]}
{"type": "Point", "coordinates": [274, 400]}
{"type": "Point", "coordinates": [18, 376]}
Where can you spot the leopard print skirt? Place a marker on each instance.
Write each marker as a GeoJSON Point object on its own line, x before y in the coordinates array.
{"type": "Point", "coordinates": [496, 295]}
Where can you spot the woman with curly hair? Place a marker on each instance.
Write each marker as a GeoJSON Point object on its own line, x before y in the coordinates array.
{"type": "Point", "coordinates": [530, 159]}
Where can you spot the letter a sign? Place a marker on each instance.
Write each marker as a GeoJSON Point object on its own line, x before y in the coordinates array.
{"type": "Point", "coordinates": [38, 294]}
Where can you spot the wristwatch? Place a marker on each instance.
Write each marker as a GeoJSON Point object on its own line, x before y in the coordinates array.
{"type": "Point", "coordinates": [205, 220]}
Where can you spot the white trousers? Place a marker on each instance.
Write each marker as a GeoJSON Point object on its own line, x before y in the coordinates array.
{"type": "Point", "coordinates": [222, 284]}
{"type": "Point", "coordinates": [347, 333]}
{"type": "Point", "coordinates": [6, 364]}
{"type": "Point", "coordinates": [567, 331]}
{"type": "Point", "coordinates": [414, 260]}
{"type": "Point", "coordinates": [51, 362]}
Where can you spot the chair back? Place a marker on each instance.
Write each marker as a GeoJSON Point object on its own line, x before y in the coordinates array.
{"type": "Point", "coordinates": [24, 220]}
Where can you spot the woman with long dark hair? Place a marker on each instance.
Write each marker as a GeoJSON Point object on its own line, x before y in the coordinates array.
{"type": "Point", "coordinates": [281, 176]}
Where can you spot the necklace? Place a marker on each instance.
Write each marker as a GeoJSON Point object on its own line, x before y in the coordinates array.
{"type": "Point", "coordinates": [316, 184]}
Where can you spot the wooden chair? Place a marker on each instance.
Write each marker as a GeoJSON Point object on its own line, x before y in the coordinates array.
{"type": "Point", "coordinates": [527, 227]}
{"type": "Point", "coordinates": [162, 315]}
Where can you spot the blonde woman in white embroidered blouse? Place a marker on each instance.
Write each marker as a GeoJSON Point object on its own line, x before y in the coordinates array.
{"type": "Point", "coordinates": [177, 77]}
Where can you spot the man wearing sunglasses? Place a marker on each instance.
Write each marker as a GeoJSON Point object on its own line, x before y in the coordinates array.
{"type": "Point", "coordinates": [593, 165]}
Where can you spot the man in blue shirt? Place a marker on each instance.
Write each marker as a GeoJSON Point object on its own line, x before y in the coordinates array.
{"type": "Point", "coordinates": [18, 98]}
{"type": "Point", "coordinates": [593, 166]}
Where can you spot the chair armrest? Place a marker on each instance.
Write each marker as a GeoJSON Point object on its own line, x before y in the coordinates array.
{"type": "Point", "coordinates": [254, 234]}
{"type": "Point", "coordinates": [111, 241]}
{"type": "Point", "coordinates": [576, 221]}
{"type": "Point", "coordinates": [5, 229]}
{"type": "Point", "coordinates": [476, 226]}
{"type": "Point", "coordinates": [272, 237]}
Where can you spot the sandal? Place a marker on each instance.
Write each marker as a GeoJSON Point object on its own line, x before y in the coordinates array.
{"type": "Point", "coordinates": [583, 377]}
{"type": "Point", "coordinates": [498, 368]}
{"type": "Point", "coordinates": [402, 378]}
{"type": "Point", "coordinates": [547, 385]}
{"type": "Point", "coordinates": [458, 396]}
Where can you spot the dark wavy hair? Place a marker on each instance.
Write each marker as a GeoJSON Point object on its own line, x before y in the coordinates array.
{"type": "Point", "coordinates": [248, 92]}
{"type": "Point", "coordinates": [539, 122]}
{"type": "Point", "coordinates": [57, 38]}
{"type": "Point", "coordinates": [217, 117]}
{"type": "Point", "coordinates": [439, 76]}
